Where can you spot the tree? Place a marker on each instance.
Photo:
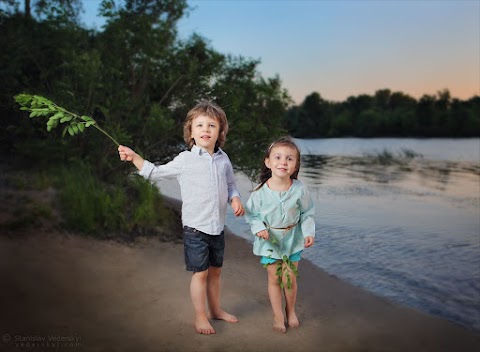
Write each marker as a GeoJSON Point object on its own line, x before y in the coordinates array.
{"type": "Point", "coordinates": [382, 99]}
{"type": "Point", "coordinates": [136, 78]}
{"type": "Point", "coordinates": [254, 107]}
{"type": "Point", "coordinates": [311, 118]}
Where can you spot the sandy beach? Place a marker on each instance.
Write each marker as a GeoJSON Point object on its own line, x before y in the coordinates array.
{"type": "Point", "coordinates": [72, 293]}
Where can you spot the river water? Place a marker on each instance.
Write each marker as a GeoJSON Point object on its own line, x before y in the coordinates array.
{"type": "Point", "coordinates": [397, 217]}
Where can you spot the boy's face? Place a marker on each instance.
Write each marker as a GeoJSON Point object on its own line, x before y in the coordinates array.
{"type": "Point", "coordinates": [205, 131]}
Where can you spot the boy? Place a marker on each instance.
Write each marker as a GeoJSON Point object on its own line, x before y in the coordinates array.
{"type": "Point", "coordinates": [207, 184]}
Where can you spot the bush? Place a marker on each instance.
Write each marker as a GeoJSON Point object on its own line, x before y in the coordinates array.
{"type": "Point", "coordinates": [129, 207]}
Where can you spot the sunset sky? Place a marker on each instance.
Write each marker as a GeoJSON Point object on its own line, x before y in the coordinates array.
{"type": "Point", "coordinates": [344, 48]}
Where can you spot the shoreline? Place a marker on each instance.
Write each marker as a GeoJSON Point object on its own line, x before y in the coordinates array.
{"type": "Point", "coordinates": [135, 297]}
{"type": "Point", "coordinates": [314, 270]}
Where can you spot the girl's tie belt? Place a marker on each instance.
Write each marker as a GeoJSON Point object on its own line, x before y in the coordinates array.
{"type": "Point", "coordinates": [285, 229]}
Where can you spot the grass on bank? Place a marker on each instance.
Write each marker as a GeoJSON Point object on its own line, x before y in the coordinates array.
{"type": "Point", "coordinates": [387, 157]}
{"type": "Point", "coordinates": [75, 200]}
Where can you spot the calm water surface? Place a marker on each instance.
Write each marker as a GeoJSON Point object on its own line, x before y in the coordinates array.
{"type": "Point", "coordinates": [406, 228]}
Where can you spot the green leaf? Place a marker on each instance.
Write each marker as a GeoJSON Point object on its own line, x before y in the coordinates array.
{"type": "Point", "coordinates": [58, 115]}
{"type": "Point", "coordinates": [65, 118]}
{"type": "Point", "coordinates": [41, 106]}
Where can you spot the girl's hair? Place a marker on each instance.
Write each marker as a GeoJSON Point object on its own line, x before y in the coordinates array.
{"type": "Point", "coordinates": [211, 110]}
{"type": "Point", "coordinates": [266, 173]}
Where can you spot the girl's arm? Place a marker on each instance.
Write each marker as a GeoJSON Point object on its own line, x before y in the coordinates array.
{"type": "Point", "coordinates": [307, 220]}
{"type": "Point", "coordinates": [252, 216]}
{"type": "Point", "coordinates": [309, 241]}
{"type": "Point", "coordinates": [263, 234]}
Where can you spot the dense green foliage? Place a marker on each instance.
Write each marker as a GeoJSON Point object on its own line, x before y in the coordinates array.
{"type": "Point", "coordinates": [137, 79]}
{"type": "Point", "coordinates": [74, 199]}
{"type": "Point", "coordinates": [385, 114]}
{"type": "Point", "coordinates": [130, 206]}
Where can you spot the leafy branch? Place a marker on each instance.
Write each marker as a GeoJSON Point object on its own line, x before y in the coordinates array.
{"type": "Point", "coordinates": [39, 106]}
{"type": "Point", "coordinates": [284, 267]}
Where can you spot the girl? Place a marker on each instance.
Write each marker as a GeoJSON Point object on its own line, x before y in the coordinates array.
{"type": "Point", "coordinates": [280, 213]}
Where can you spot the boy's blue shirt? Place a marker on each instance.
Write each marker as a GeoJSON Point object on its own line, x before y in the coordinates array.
{"type": "Point", "coordinates": [207, 184]}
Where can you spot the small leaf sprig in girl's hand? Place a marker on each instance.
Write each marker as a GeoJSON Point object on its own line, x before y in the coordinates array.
{"type": "Point", "coordinates": [40, 106]}
{"type": "Point", "coordinates": [284, 266]}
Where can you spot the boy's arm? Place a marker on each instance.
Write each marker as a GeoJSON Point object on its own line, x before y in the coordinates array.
{"type": "Point", "coordinates": [233, 193]}
{"type": "Point", "coordinates": [127, 154]}
{"type": "Point", "coordinates": [147, 169]}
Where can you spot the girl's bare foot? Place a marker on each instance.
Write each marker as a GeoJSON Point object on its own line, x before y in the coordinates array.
{"type": "Point", "coordinates": [222, 315]}
{"type": "Point", "coordinates": [279, 325]}
{"type": "Point", "coordinates": [202, 325]}
{"type": "Point", "coordinates": [293, 320]}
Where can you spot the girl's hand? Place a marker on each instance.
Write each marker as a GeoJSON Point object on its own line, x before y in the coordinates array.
{"type": "Point", "coordinates": [263, 234]}
{"type": "Point", "coordinates": [237, 206]}
{"type": "Point", "coordinates": [309, 241]}
{"type": "Point", "coordinates": [126, 154]}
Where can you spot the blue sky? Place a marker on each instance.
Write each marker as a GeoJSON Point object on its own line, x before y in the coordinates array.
{"type": "Point", "coordinates": [344, 48]}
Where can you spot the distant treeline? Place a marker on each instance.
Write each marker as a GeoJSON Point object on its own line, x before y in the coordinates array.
{"type": "Point", "coordinates": [385, 114]}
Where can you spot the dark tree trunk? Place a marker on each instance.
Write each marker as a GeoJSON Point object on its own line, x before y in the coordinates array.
{"type": "Point", "coordinates": [27, 9]}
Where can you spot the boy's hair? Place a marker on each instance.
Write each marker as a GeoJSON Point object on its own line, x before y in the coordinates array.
{"type": "Point", "coordinates": [266, 173]}
{"type": "Point", "coordinates": [211, 110]}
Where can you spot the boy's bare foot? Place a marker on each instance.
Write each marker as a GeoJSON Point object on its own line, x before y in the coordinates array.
{"type": "Point", "coordinates": [203, 326]}
{"type": "Point", "coordinates": [279, 325]}
{"type": "Point", "coordinates": [222, 315]}
{"type": "Point", "coordinates": [293, 320]}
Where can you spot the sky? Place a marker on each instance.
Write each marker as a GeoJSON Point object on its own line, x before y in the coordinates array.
{"type": "Point", "coordinates": [344, 48]}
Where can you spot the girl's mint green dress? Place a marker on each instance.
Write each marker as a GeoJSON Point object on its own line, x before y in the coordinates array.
{"type": "Point", "coordinates": [288, 216]}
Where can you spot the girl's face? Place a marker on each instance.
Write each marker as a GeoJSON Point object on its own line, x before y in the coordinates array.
{"type": "Point", "coordinates": [205, 131]}
{"type": "Point", "coordinates": [282, 161]}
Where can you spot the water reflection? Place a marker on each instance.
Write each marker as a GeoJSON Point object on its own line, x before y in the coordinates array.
{"type": "Point", "coordinates": [402, 226]}
{"type": "Point", "coordinates": [454, 178]}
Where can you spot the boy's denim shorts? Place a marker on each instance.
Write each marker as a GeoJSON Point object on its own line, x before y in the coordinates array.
{"type": "Point", "coordinates": [202, 250]}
